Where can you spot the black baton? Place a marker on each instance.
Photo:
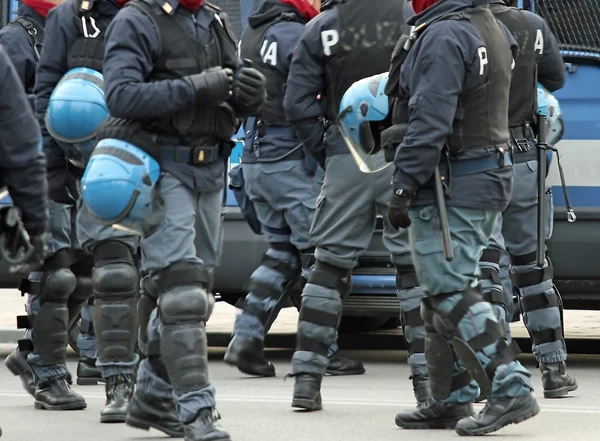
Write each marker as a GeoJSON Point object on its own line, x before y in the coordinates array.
{"type": "Point", "coordinates": [542, 147]}
{"type": "Point", "coordinates": [444, 227]}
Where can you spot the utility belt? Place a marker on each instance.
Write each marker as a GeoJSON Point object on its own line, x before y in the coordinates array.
{"type": "Point", "coordinates": [472, 166]}
{"type": "Point", "coordinates": [523, 141]}
{"type": "Point", "coordinates": [197, 151]}
{"type": "Point", "coordinates": [258, 130]}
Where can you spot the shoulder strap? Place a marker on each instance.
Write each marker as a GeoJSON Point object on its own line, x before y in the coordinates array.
{"type": "Point", "coordinates": [34, 31]}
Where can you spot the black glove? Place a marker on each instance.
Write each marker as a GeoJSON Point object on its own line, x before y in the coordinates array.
{"type": "Point", "coordinates": [398, 209]}
{"type": "Point", "coordinates": [62, 186]}
{"type": "Point", "coordinates": [249, 85]}
{"type": "Point", "coordinates": [211, 86]}
{"type": "Point", "coordinates": [36, 260]}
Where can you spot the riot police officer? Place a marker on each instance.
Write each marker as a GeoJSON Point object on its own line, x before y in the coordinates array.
{"type": "Point", "coordinates": [73, 53]}
{"type": "Point", "coordinates": [283, 182]}
{"type": "Point", "coordinates": [539, 301]}
{"type": "Point", "coordinates": [172, 72]}
{"type": "Point", "coordinates": [456, 78]}
{"type": "Point", "coordinates": [22, 162]}
{"type": "Point", "coordinates": [23, 39]}
{"type": "Point", "coordinates": [348, 41]}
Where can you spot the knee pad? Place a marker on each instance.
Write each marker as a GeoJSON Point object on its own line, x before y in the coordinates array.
{"type": "Point", "coordinates": [115, 274]}
{"type": "Point", "coordinates": [406, 277]}
{"type": "Point", "coordinates": [183, 295]}
{"type": "Point", "coordinates": [332, 277]}
{"type": "Point", "coordinates": [534, 276]}
{"type": "Point", "coordinates": [466, 351]}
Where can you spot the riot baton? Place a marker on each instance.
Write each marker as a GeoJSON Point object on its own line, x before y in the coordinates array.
{"type": "Point", "coordinates": [542, 147]}
{"type": "Point", "coordinates": [444, 227]}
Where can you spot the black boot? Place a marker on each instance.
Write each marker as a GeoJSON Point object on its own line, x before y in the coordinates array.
{"type": "Point", "coordinates": [498, 413]}
{"type": "Point", "coordinates": [145, 412]}
{"type": "Point", "coordinates": [119, 389]}
{"type": "Point", "coordinates": [87, 372]}
{"type": "Point", "coordinates": [205, 427]}
{"type": "Point", "coordinates": [55, 394]}
{"type": "Point", "coordinates": [307, 392]}
{"type": "Point", "coordinates": [434, 415]}
{"type": "Point", "coordinates": [340, 365]}
{"type": "Point", "coordinates": [556, 380]}
{"type": "Point", "coordinates": [248, 355]}
{"type": "Point", "coordinates": [422, 390]}
{"type": "Point", "coordinates": [16, 362]}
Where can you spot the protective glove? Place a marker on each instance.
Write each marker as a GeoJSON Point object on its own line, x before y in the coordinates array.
{"type": "Point", "coordinates": [36, 260]}
{"type": "Point", "coordinates": [398, 208]}
{"type": "Point", "coordinates": [211, 86]}
{"type": "Point", "coordinates": [62, 186]}
{"type": "Point", "coordinates": [249, 85]}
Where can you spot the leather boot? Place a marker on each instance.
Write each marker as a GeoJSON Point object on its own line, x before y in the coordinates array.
{"type": "Point", "coordinates": [434, 415]}
{"type": "Point", "coordinates": [248, 355]}
{"type": "Point", "coordinates": [205, 427]}
{"type": "Point", "coordinates": [307, 392]}
{"type": "Point", "coordinates": [557, 382]}
{"type": "Point", "coordinates": [87, 372]}
{"type": "Point", "coordinates": [498, 413]}
{"type": "Point", "coordinates": [161, 414]}
{"type": "Point", "coordinates": [16, 362]}
{"type": "Point", "coordinates": [55, 394]}
{"type": "Point", "coordinates": [422, 390]}
{"type": "Point", "coordinates": [119, 389]}
{"type": "Point", "coordinates": [341, 365]}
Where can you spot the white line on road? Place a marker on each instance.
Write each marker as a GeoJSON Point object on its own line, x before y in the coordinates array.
{"type": "Point", "coordinates": [338, 401]}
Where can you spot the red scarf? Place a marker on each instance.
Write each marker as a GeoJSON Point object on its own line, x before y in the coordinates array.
{"type": "Point", "coordinates": [194, 5]}
{"type": "Point", "coordinates": [420, 5]}
{"type": "Point", "coordinates": [42, 6]}
{"type": "Point", "coordinates": [303, 7]}
{"type": "Point", "coordinates": [121, 3]}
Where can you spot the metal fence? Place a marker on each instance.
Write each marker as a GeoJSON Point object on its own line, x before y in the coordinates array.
{"type": "Point", "coordinates": [576, 24]}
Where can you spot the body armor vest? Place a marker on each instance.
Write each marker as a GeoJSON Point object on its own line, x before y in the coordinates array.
{"type": "Point", "coordinates": [368, 32]}
{"type": "Point", "coordinates": [181, 54]}
{"type": "Point", "coordinates": [88, 48]}
{"type": "Point", "coordinates": [34, 31]}
{"type": "Point", "coordinates": [522, 106]}
{"type": "Point", "coordinates": [272, 111]}
{"type": "Point", "coordinates": [480, 121]}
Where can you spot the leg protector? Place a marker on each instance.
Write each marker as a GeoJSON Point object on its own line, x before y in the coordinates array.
{"type": "Point", "coordinates": [50, 327]}
{"type": "Point", "coordinates": [469, 352]}
{"type": "Point", "coordinates": [332, 277]}
{"type": "Point", "coordinates": [441, 362]}
{"type": "Point", "coordinates": [410, 302]}
{"type": "Point", "coordinates": [536, 293]}
{"type": "Point", "coordinates": [83, 289]}
{"type": "Point", "coordinates": [115, 281]}
{"type": "Point", "coordinates": [146, 304]}
{"type": "Point", "coordinates": [489, 264]}
{"type": "Point", "coordinates": [184, 306]}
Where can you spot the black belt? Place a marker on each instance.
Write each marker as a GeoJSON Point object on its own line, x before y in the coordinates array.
{"type": "Point", "coordinates": [198, 155]}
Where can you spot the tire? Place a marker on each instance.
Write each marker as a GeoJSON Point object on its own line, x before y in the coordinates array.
{"type": "Point", "coordinates": [356, 325]}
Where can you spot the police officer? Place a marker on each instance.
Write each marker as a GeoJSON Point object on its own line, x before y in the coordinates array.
{"type": "Point", "coordinates": [283, 182]}
{"type": "Point", "coordinates": [171, 68]}
{"type": "Point", "coordinates": [457, 77]}
{"type": "Point", "coordinates": [22, 162]}
{"type": "Point", "coordinates": [539, 300]}
{"type": "Point", "coordinates": [75, 32]}
{"type": "Point", "coordinates": [23, 39]}
{"type": "Point", "coordinates": [348, 41]}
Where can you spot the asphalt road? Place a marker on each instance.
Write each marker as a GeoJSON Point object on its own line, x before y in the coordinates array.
{"type": "Point", "coordinates": [355, 408]}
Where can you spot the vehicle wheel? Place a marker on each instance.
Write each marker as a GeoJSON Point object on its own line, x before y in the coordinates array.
{"type": "Point", "coordinates": [355, 325]}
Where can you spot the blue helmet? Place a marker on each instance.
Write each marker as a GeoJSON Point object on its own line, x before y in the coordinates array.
{"type": "Point", "coordinates": [75, 111]}
{"type": "Point", "coordinates": [118, 187]}
{"type": "Point", "coordinates": [548, 106]}
{"type": "Point", "coordinates": [363, 109]}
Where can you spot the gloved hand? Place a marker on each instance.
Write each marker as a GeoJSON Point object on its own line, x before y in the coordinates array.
{"type": "Point", "coordinates": [249, 85]}
{"type": "Point", "coordinates": [62, 186]}
{"type": "Point", "coordinates": [212, 86]}
{"type": "Point", "coordinates": [398, 209]}
{"type": "Point", "coordinates": [36, 260]}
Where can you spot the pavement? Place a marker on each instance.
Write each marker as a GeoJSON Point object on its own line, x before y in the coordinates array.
{"type": "Point", "coordinates": [355, 408]}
